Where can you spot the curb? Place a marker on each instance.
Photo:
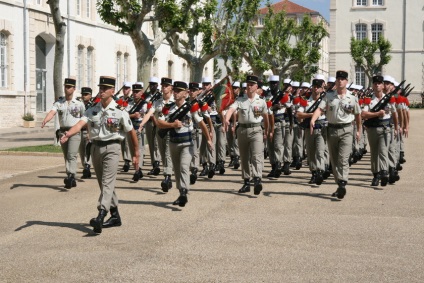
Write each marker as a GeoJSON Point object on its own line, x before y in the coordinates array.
{"type": "Point", "coordinates": [28, 153]}
{"type": "Point", "coordinates": [27, 131]}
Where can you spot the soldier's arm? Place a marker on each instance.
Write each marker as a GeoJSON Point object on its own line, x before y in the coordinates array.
{"type": "Point", "coordinates": [303, 115]}
{"type": "Point", "coordinates": [48, 117]}
{"type": "Point", "coordinates": [369, 115]}
{"type": "Point", "coordinates": [266, 124]}
{"type": "Point", "coordinates": [147, 117]}
{"type": "Point", "coordinates": [358, 121]}
{"type": "Point", "coordinates": [162, 124]}
{"type": "Point", "coordinates": [72, 131]}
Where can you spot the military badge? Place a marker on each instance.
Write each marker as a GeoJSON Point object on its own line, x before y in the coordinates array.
{"type": "Point", "coordinates": [112, 124]}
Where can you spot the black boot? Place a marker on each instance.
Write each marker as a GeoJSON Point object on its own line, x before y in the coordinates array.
{"type": "Point", "coordinates": [266, 153]}
{"type": "Point", "coordinates": [350, 159]}
{"type": "Point", "coordinates": [392, 175]}
{"type": "Point", "coordinates": [293, 164]}
{"type": "Point", "coordinates": [319, 177]}
{"type": "Point", "coordinates": [246, 187]}
{"type": "Point", "coordinates": [399, 167]}
{"type": "Point", "coordinates": [97, 223]}
{"type": "Point", "coordinates": [402, 157]}
{"type": "Point", "coordinates": [341, 190]}
{"type": "Point", "coordinates": [204, 170]}
{"type": "Point", "coordinates": [193, 176]}
{"type": "Point", "coordinates": [375, 180]}
{"type": "Point", "coordinates": [137, 175]}
{"type": "Point", "coordinates": [286, 168]}
{"type": "Point", "coordinates": [221, 164]}
{"type": "Point", "coordinates": [126, 166]}
{"type": "Point", "coordinates": [211, 171]}
{"type": "Point", "coordinates": [182, 199]}
{"type": "Point", "coordinates": [298, 162]}
{"type": "Point", "coordinates": [384, 178]}
{"type": "Point", "coordinates": [70, 181]}
{"type": "Point", "coordinates": [257, 188]}
{"type": "Point", "coordinates": [231, 164]}
{"type": "Point", "coordinates": [326, 173]}
{"type": "Point", "coordinates": [278, 169]}
{"type": "Point", "coordinates": [272, 173]}
{"type": "Point", "coordinates": [166, 184]}
{"type": "Point", "coordinates": [236, 162]}
{"type": "Point", "coordinates": [313, 179]}
{"type": "Point", "coordinates": [86, 173]}
{"type": "Point", "coordinates": [114, 220]}
{"type": "Point", "coordinates": [156, 170]}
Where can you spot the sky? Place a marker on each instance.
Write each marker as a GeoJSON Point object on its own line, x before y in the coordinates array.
{"type": "Point", "coordinates": [321, 6]}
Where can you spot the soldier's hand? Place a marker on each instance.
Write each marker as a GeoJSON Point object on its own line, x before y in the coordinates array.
{"type": "Point", "coordinates": [381, 113]}
{"type": "Point", "coordinates": [135, 161]}
{"type": "Point", "coordinates": [63, 139]}
{"type": "Point", "coordinates": [358, 135]}
{"type": "Point", "coordinates": [210, 144]}
{"type": "Point", "coordinates": [312, 125]}
{"type": "Point", "coordinates": [225, 127]}
{"type": "Point", "coordinates": [405, 132]}
{"type": "Point", "coordinates": [43, 124]}
{"type": "Point", "coordinates": [137, 115]}
{"type": "Point", "coordinates": [177, 124]}
{"type": "Point", "coordinates": [271, 135]}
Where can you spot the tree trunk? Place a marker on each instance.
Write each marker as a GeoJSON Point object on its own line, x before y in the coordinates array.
{"type": "Point", "coordinates": [144, 64]}
{"type": "Point", "coordinates": [196, 70]}
{"type": "Point", "coordinates": [60, 29]}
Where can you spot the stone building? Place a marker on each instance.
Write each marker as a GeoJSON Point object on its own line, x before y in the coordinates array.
{"type": "Point", "coordinates": [401, 22]}
{"type": "Point", "coordinates": [92, 48]}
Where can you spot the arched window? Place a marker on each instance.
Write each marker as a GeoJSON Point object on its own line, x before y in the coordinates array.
{"type": "Point", "coordinates": [89, 67]}
{"type": "Point", "coordinates": [80, 66]}
{"type": "Point", "coordinates": [361, 31]}
{"type": "Point", "coordinates": [359, 75]}
{"type": "Point", "coordinates": [376, 32]}
{"type": "Point", "coordinates": [88, 9]}
{"type": "Point", "coordinates": [155, 67]}
{"type": "Point", "coordinates": [126, 67]}
{"type": "Point", "coordinates": [118, 68]}
{"type": "Point", "coordinates": [3, 59]}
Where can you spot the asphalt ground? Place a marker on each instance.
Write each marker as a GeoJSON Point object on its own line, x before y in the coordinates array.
{"type": "Point", "coordinates": [292, 232]}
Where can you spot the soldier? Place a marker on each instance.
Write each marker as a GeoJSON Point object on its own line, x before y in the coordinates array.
{"type": "Point", "coordinates": [194, 91]}
{"type": "Point", "coordinates": [86, 95]}
{"type": "Point", "coordinates": [181, 141]}
{"type": "Point", "coordinates": [150, 129]}
{"type": "Point", "coordinates": [231, 134]}
{"type": "Point", "coordinates": [341, 109]}
{"type": "Point", "coordinates": [123, 102]}
{"type": "Point", "coordinates": [137, 109]}
{"type": "Point", "coordinates": [288, 126]}
{"type": "Point", "coordinates": [70, 112]}
{"type": "Point", "coordinates": [163, 143]}
{"type": "Point", "coordinates": [378, 129]}
{"type": "Point", "coordinates": [316, 141]}
{"type": "Point", "coordinates": [331, 83]}
{"type": "Point", "coordinates": [298, 133]}
{"type": "Point", "coordinates": [250, 110]}
{"type": "Point", "coordinates": [107, 125]}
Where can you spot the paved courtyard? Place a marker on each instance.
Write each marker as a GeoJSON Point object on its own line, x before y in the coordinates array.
{"type": "Point", "coordinates": [292, 232]}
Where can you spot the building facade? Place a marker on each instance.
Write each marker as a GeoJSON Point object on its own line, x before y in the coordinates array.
{"type": "Point", "coordinates": [400, 21]}
{"type": "Point", "coordinates": [92, 48]}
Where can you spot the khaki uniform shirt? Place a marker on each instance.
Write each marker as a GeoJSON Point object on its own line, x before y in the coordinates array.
{"type": "Point", "coordinates": [69, 112]}
{"type": "Point", "coordinates": [110, 123]}
{"type": "Point", "coordinates": [389, 109]}
{"type": "Point", "coordinates": [187, 121]}
{"type": "Point", "coordinates": [250, 111]}
{"type": "Point", "coordinates": [306, 108]}
{"type": "Point", "coordinates": [340, 110]}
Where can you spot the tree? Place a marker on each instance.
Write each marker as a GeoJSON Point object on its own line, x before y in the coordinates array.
{"type": "Point", "coordinates": [129, 16]}
{"type": "Point", "coordinates": [216, 23]}
{"type": "Point", "coordinates": [364, 53]}
{"type": "Point", "coordinates": [217, 72]}
{"type": "Point", "coordinates": [60, 30]}
{"type": "Point", "coordinates": [285, 47]}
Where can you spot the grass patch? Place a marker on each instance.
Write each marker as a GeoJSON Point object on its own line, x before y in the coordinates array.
{"type": "Point", "coordinates": [37, 148]}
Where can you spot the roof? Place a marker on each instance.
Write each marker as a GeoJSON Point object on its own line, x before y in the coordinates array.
{"type": "Point", "coordinates": [288, 6]}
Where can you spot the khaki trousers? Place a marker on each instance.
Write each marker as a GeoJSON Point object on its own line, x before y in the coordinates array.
{"type": "Point", "coordinates": [232, 142]}
{"type": "Point", "coordinates": [197, 139]}
{"type": "Point", "coordinates": [151, 136]}
{"type": "Point", "coordinates": [165, 154]}
{"type": "Point", "coordinates": [288, 143]}
{"type": "Point", "coordinates": [140, 138]}
{"type": "Point", "coordinates": [221, 143]}
{"type": "Point", "coordinates": [379, 140]}
{"type": "Point", "coordinates": [181, 157]}
{"type": "Point", "coordinates": [251, 145]}
{"type": "Point", "coordinates": [315, 148]}
{"type": "Point", "coordinates": [82, 147]}
{"type": "Point", "coordinates": [277, 144]}
{"type": "Point", "coordinates": [339, 148]}
{"type": "Point", "coordinates": [298, 134]}
{"type": "Point", "coordinates": [70, 153]}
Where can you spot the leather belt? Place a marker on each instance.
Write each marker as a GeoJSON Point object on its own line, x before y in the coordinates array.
{"type": "Point", "coordinates": [105, 143]}
{"type": "Point", "coordinates": [251, 125]}
{"type": "Point", "coordinates": [339, 126]}
{"type": "Point", "coordinates": [65, 128]}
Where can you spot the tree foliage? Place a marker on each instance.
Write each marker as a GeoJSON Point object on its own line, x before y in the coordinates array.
{"type": "Point", "coordinates": [365, 53]}
{"type": "Point", "coordinates": [286, 47]}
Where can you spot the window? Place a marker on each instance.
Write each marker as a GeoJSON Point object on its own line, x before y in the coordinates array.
{"type": "Point", "coordinates": [170, 71]}
{"type": "Point", "coordinates": [38, 2]}
{"type": "Point", "coordinates": [206, 72]}
{"type": "Point", "coordinates": [88, 10]}
{"type": "Point", "coordinates": [3, 60]}
{"type": "Point", "coordinates": [376, 31]}
{"type": "Point", "coordinates": [361, 31]}
{"type": "Point", "coordinates": [126, 67]}
{"type": "Point", "coordinates": [80, 66]}
{"type": "Point", "coordinates": [78, 7]}
{"type": "Point", "coordinates": [261, 21]}
{"type": "Point", "coordinates": [184, 72]}
{"type": "Point", "coordinates": [361, 2]}
{"type": "Point", "coordinates": [89, 66]}
{"type": "Point", "coordinates": [118, 68]}
{"type": "Point", "coordinates": [377, 2]}
{"type": "Point", "coordinates": [359, 75]}
{"type": "Point", "coordinates": [155, 67]}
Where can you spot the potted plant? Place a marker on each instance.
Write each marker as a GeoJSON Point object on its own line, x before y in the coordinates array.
{"type": "Point", "coordinates": [29, 121]}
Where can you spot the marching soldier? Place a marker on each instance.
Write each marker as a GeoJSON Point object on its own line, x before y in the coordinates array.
{"type": "Point", "coordinates": [86, 94]}
{"type": "Point", "coordinates": [379, 130]}
{"type": "Point", "coordinates": [194, 91]}
{"type": "Point", "coordinates": [250, 111]}
{"type": "Point", "coordinates": [316, 141]}
{"type": "Point", "coordinates": [341, 109]}
{"type": "Point", "coordinates": [70, 112]}
{"type": "Point", "coordinates": [107, 125]}
{"type": "Point", "coordinates": [297, 130]}
{"type": "Point", "coordinates": [231, 134]}
{"type": "Point", "coordinates": [123, 102]}
{"type": "Point", "coordinates": [288, 127]}
{"type": "Point", "coordinates": [181, 141]}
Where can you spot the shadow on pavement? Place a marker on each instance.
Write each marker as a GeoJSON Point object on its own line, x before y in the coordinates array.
{"type": "Point", "coordinates": [58, 188]}
{"type": "Point", "coordinates": [160, 204]}
{"type": "Point", "coordinates": [76, 226]}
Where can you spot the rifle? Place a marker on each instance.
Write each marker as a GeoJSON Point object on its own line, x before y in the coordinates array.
{"type": "Point", "coordinates": [305, 122]}
{"type": "Point", "coordinates": [115, 96]}
{"type": "Point", "coordinates": [177, 115]}
{"type": "Point", "coordinates": [382, 104]}
{"type": "Point", "coordinates": [276, 99]}
{"type": "Point", "coordinates": [409, 91]}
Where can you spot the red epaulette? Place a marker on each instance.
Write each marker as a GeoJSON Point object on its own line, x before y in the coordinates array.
{"type": "Point", "coordinates": [296, 100]}
{"type": "Point", "coordinates": [392, 100]}
{"type": "Point", "coordinates": [303, 102]}
{"type": "Point", "coordinates": [97, 100]}
{"type": "Point", "coordinates": [285, 99]}
{"type": "Point", "coordinates": [407, 101]}
{"type": "Point", "coordinates": [367, 100]}
{"type": "Point", "coordinates": [143, 96]}
{"type": "Point", "coordinates": [165, 110]}
{"type": "Point", "coordinates": [149, 105]}
{"type": "Point", "coordinates": [195, 107]}
{"type": "Point", "coordinates": [360, 101]}
{"type": "Point", "coordinates": [269, 103]}
{"type": "Point", "coordinates": [204, 107]}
